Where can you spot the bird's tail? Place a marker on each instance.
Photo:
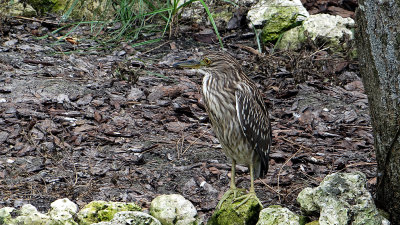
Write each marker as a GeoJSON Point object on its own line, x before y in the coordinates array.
{"type": "Point", "coordinates": [263, 168]}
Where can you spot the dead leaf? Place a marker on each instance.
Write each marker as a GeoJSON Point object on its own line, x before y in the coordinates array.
{"type": "Point", "coordinates": [72, 40]}
{"type": "Point", "coordinates": [176, 127]}
{"type": "Point", "coordinates": [84, 127]}
{"type": "Point", "coordinates": [214, 170]}
{"type": "Point", "coordinates": [97, 116]}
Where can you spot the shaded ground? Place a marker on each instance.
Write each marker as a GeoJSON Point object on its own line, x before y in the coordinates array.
{"type": "Point", "coordinates": [71, 127]}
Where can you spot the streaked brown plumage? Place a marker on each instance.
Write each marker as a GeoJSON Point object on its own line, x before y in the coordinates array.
{"type": "Point", "coordinates": [237, 112]}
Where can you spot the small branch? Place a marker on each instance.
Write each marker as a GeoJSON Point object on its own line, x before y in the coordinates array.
{"type": "Point", "coordinates": [280, 170]}
{"type": "Point", "coordinates": [249, 49]}
{"type": "Point", "coordinates": [361, 164]}
{"type": "Point", "coordinates": [31, 61]}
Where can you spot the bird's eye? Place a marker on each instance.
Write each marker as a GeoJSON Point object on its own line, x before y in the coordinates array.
{"type": "Point", "coordinates": [207, 61]}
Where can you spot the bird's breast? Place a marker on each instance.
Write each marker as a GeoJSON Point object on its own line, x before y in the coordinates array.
{"type": "Point", "coordinates": [219, 98]}
{"type": "Point", "coordinates": [220, 102]}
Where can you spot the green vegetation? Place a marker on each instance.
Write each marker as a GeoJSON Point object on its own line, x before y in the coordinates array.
{"type": "Point", "coordinates": [138, 21]}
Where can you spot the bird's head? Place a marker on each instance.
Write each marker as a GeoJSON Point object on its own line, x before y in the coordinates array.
{"type": "Point", "coordinates": [213, 63]}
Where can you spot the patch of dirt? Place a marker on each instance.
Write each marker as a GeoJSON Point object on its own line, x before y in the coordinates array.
{"type": "Point", "coordinates": [123, 125]}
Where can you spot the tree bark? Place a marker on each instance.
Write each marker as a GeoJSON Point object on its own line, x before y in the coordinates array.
{"type": "Point", "coordinates": [378, 42]}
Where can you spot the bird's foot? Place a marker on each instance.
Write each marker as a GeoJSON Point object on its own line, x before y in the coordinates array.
{"type": "Point", "coordinates": [244, 198]}
{"type": "Point", "coordinates": [227, 195]}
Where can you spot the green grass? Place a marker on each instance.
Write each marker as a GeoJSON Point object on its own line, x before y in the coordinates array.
{"type": "Point", "coordinates": [140, 22]}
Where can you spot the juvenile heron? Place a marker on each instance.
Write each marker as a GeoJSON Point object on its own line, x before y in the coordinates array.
{"type": "Point", "coordinates": [238, 115]}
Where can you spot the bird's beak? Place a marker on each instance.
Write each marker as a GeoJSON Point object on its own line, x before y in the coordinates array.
{"type": "Point", "coordinates": [192, 64]}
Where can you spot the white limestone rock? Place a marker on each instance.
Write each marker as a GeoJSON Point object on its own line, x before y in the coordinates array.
{"type": "Point", "coordinates": [324, 25]}
{"type": "Point", "coordinates": [17, 8]}
{"type": "Point", "coordinates": [63, 211]}
{"type": "Point", "coordinates": [277, 215]}
{"type": "Point", "coordinates": [5, 214]}
{"type": "Point", "coordinates": [264, 10]}
{"type": "Point", "coordinates": [131, 218]}
{"type": "Point", "coordinates": [340, 199]}
{"type": "Point", "coordinates": [174, 209]}
{"type": "Point", "coordinates": [320, 26]}
{"type": "Point", "coordinates": [30, 215]}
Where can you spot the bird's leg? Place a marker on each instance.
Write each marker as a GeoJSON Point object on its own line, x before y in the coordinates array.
{"type": "Point", "coordinates": [233, 188]}
{"type": "Point", "coordinates": [252, 192]}
{"type": "Point", "coordinates": [233, 174]}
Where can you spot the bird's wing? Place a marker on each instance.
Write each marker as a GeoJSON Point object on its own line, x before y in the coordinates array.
{"type": "Point", "coordinates": [253, 117]}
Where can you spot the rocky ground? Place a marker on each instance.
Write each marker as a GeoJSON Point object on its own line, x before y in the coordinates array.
{"type": "Point", "coordinates": [120, 124]}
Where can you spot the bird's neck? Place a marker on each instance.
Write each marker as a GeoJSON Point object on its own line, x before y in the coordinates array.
{"type": "Point", "coordinates": [210, 80]}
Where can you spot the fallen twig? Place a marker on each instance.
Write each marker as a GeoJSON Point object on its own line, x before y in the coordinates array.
{"type": "Point", "coordinates": [280, 170]}
{"type": "Point", "coordinates": [249, 49]}
{"type": "Point", "coordinates": [31, 61]}
{"type": "Point", "coordinates": [361, 164]}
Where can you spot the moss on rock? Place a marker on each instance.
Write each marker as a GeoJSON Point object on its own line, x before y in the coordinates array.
{"type": "Point", "coordinates": [229, 214]}
{"type": "Point", "coordinates": [98, 211]}
{"type": "Point", "coordinates": [278, 23]}
{"type": "Point", "coordinates": [43, 6]}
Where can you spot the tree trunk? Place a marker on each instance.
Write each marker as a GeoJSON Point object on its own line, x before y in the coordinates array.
{"type": "Point", "coordinates": [378, 43]}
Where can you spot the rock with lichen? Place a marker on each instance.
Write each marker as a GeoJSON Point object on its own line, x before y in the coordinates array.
{"type": "Point", "coordinates": [264, 10]}
{"type": "Point", "coordinates": [277, 215]}
{"type": "Point", "coordinates": [5, 215]}
{"type": "Point", "coordinates": [98, 211]}
{"type": "Point", "coordinates": [64, 211]}
{"type": "Point", "coordinates": [341, 198]}
{"type": "Point", "coordinates": [131, 218]}
{"type": "Point", "coordinates": [16, 8]}
{"type": "Point", "coordinates": [325, 28]}
{"type": "Point", "coordinates": [28, 214]}
{"type": "Point", "coordinates": [174, 209]}
{"type": "Point", "coordinates": [276, 17]}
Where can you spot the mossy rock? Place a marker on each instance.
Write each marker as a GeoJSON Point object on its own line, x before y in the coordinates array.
{"type": "Point", "coordinates": [5, 215]}
{"type": "Point", "coordinates": [43, 6]}
{"type": "Point", "coordinates": [229, 213]}
{"type": "Point", "coordinates": [279, 23]}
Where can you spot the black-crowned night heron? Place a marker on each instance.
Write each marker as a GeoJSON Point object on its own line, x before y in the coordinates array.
{"type": "Point", "coordinates": [238, 114]}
